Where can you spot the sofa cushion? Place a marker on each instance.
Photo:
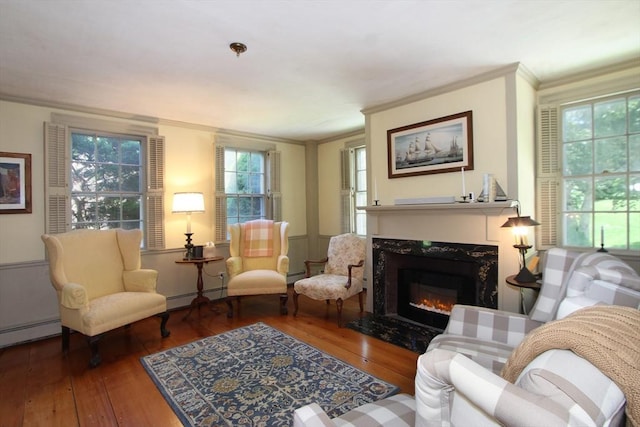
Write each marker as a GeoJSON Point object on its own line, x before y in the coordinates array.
{"type": "Point", "coordinates": [565, 376]}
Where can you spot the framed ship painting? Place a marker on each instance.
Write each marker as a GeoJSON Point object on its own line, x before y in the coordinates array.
{"type": "Point", "coordinates": [435, 146]}
{"type": "Point", "coordinates": [15, 183]}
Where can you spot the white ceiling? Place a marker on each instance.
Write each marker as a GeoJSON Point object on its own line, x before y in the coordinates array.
{"type": "Point", "coordinates": [311, 66]}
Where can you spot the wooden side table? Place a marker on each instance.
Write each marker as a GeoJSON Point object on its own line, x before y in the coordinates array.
{"type": "Point", "coordinates": [522, 285]}
{"type": "Point", "coordinates": [200, 298]}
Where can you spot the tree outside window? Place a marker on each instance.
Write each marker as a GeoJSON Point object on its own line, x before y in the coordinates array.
{"type": "Point", "coordinates": [244, 182]}
{"type": "Point", "coordinates": [106, 181]}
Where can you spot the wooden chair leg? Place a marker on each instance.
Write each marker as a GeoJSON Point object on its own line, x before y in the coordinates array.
{"type": "Point", "coordinates": [164, 332]}
{"type": "Point", "coordinates": [230, 308]}
{"type": "Point", "coordinates": [360, 300]}
{"type": "Point", "coordinates": [65, 339]}
{"type": "Point", "coordinates": [95, 355]}
{"type": "Point", "coordinates": [339, 307]}
{"type": "Point", "coordinates": [283, 304]}
{"type": "Point", "coordinates": [295, 303]}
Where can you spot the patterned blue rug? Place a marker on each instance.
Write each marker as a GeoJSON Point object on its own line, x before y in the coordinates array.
{"type": "Point", "coordinates": [257, 376]}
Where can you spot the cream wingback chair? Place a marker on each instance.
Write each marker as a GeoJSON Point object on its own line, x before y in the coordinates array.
{"type": "Point", "coordinates": [258, 263]}
{"type": "Point", "coordinates": [100, 285]}
{"type": "Point", "coordinates": [342, 276]}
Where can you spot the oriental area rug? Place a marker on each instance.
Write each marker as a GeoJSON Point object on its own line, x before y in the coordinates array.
{"type": "Point", "coordinates": [257, 376]}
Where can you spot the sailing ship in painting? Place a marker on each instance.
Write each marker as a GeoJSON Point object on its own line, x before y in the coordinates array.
{"type": "Point", "coordinates": [425, 153]}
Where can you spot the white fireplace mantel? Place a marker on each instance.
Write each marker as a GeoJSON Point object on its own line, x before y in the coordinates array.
{"type": "Point", "coordinates": [485, 209]}
{"type": "Point", "coordinates": [471, 223]}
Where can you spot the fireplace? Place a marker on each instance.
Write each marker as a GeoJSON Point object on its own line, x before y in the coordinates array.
{"type": "Point", "coordinates": [421, 281]}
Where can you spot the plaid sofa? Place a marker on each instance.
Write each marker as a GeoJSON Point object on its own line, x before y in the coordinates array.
{"type": "Point", "coordinates": [458, 381]}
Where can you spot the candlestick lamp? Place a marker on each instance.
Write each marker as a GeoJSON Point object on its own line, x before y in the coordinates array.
{"type": "Point", "coordinates": [188, 203]}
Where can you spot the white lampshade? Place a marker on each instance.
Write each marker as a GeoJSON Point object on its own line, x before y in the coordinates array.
{"type": "Point", "coordinates": [188, 203]}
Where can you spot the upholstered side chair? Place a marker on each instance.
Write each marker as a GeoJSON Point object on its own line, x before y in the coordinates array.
{"type": "Point", "coordinates": [100, 284]}
{"type": "Point", "coordinates": [258, 263]}
{"type": "Point", "coordinates": [342, 276]}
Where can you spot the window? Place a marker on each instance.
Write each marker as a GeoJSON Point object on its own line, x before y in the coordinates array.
{"type": "Point", "coordinates": [244, 185]}
{"type": "Point", "coordinates": [601, 172]}
{"type": "Point", "coordinates": [247, 184]}
{"type": "Point", "coordinates": [354, 190]}
{"type": "Point", "coordinates": [106, 181]}
{"type": "Point", "coordinates": [111, 176]}
{"type": "Point", "coordinates": [360, 188]}
{"type": "Point", "coordinates": [588, 172]}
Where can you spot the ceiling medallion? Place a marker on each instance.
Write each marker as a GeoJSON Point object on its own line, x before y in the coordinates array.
{"type": "Point", "coordinates": [238, 48]}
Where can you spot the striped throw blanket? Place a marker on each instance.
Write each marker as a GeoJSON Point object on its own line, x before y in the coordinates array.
{"type": "Point", "coordinates": [258, 238]}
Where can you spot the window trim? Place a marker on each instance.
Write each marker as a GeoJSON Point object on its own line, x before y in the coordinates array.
{"type": "Point", "coordinates": [57, 140]}
{"type": "Point", "coordinates": [549, 143]}
{"type": "Point", "coordinates": [347, 184]}
{"type": "Point", "coordinates": [273, 179]}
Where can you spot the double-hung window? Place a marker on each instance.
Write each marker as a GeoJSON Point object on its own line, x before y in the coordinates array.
{"type": "Point", "coordinates": [107, 181]}
{"type": "Point", "coordinates": [598, 171]}
{"type": "Point", "coordinates": [101, 175]}
{"type": "Point", "coordinates": [247, 185]}
{"type": "Point", "coordinates": [354, 189]}
{"type": "Point", "coordinates": [244, 185]}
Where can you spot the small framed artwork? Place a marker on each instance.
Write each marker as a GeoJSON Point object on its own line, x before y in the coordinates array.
{"type": "Point", "coordinates": [15, 183]}
{"type": "Point", "coordinates": [434, 146]}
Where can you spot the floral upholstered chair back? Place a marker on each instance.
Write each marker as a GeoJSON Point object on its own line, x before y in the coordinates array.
{"type": "Point", "coordinates": [344, 250]}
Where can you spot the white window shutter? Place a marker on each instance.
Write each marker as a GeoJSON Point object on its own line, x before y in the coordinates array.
{"type": "Point", "coordinates": [548, 177]}
{"type": "Point", "coordinates": [274, 191]}
{"type": "Point", "coordinates": [345, 190]}
{"type": "Point", "coordinates": [57, 205]}
{"type": "Point", "coordinates": [220, 196]}
{"type": "Point", "coordinates": [155, 192]}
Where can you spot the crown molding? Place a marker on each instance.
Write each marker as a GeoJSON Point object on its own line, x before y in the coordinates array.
{"type": "Point", "coordinates": [461, 84]}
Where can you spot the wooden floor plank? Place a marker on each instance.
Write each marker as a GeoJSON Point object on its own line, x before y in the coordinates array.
{"type": "Point", "coordinates": [39, 386]}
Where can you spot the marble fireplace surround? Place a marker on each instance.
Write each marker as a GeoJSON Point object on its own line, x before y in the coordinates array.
{"type": "Point", "coordinates": [389, 255]}
{"type": "Point", "coordinates": [462, 223]}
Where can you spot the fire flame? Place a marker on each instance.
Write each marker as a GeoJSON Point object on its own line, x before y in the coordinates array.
{"type": "Point", "coordinates": [435, 304]}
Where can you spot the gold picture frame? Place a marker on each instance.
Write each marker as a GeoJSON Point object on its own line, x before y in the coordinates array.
{"type": "Point", "coordinates": [433, 146]}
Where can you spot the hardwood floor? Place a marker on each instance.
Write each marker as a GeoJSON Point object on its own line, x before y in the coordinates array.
{"type": "Point", "coordinates": [41, 387]}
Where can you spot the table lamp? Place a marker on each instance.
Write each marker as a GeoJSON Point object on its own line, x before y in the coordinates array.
{"type": "Point", "coordinates": [520, 225]}
{"type": "Point", "coordinates": [188, 203]}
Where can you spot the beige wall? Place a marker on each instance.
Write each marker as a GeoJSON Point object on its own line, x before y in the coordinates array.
{"type": "Point", "coordinates": [189, 167]}
{"type": "Point", "coordinates": [329, 183]}
{"type": "Point", "coordinates": [486, 100]}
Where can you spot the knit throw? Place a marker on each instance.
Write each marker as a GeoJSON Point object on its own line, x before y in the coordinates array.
{"type": "Point", "coordinates": [606, 336]}
{"type": "Point", "coordinates": [258, 238]}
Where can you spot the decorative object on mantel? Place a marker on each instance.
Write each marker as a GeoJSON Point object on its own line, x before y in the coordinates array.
{"type": "Point", "coordinates": [520, 226]}
{"type": "Point", "coordinates": [188, 203]}
{"type": "Point", "coordinates": [376, 200]}
{"type": "Point", "coordinates": [433, 146]}
{"type": "Point", "coordinates": [257, 375]}
{"type": "Point", "coordinates": [491, 190]}
{"type": "Point", "coordinates": [425, 200]}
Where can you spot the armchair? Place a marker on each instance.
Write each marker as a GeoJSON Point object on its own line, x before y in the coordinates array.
{"type": "Point", "coordinates": [258, 262]}
{"type": "Point", "coordinates": [100, 285]}
{"type": "Point", "coordinates": [478, 344]}
{"type": "Point", "coordinates": [342, 277]}
{"type": "Point", "coordinates": [572, 361]}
